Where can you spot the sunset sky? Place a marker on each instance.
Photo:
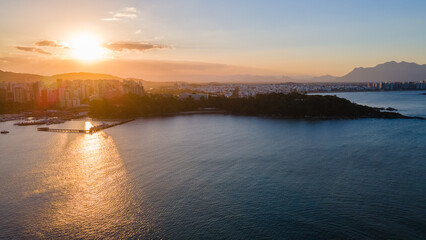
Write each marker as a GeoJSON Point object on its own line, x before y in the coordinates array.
{"type": "Point", "coordinates": [137, 38]}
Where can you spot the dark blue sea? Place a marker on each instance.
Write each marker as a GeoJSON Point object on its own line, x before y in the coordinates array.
{"type": "Point", "coordinates": [220, 177]}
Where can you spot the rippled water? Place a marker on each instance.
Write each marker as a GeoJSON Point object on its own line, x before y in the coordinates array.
{"type": "Point", "coordinates": [219, 177]}
{"type": "Point", "coordinates": [411, 103]}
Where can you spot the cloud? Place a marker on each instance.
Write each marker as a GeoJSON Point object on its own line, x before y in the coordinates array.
{"type": "Point", "coordinates": [131, 9]}
{"type": "Point", "coordinates": [111, 19]}
{"type": "Point", "coordinates": [126, 13]}
{"type": "Point", "coordinates": [32, 49]}
{"type": "Point", "coordinates": [49, 43]}
{"type": "Point", "coordinates": [152, 70]}
{"type": "Point", "coordinates": [120, 46]}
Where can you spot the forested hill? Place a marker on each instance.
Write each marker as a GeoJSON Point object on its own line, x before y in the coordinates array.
{"type": "Point", "coordinates": [293, 105]}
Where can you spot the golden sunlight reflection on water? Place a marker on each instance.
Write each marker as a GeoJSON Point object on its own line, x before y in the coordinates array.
{"type": "Point", "coordinates": [88, 125]}
{"type": "Point", "coordinates": [89, 191]}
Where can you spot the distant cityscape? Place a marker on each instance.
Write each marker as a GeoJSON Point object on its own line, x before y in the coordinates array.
{"type": "Point", "coordinates": [247, 90]}
{"type": "Point", "coordinates": [67, 94]}
{"type": "Point", "coordinates": [78, 93]}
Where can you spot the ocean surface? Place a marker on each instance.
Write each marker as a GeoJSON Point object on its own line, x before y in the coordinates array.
{"type": "Point", "coordinates": [220, 177]}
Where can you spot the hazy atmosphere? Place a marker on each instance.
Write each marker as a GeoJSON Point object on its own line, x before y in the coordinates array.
{"type": "Point", "coordinates": [190, 119]}
{"type": "Point", "coordinates": [160, 40]}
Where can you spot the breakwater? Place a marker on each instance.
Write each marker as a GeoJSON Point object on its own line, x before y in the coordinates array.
{"type": "Point", "coordinates": [86, 131]}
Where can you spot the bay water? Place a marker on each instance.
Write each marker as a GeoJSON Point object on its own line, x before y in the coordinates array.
{"type": "Point", "coordinates": [220, 177]}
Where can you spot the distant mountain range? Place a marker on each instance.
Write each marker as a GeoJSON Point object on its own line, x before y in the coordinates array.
{"type": "Point", "coordinates": [19, 77]}
{"type": "Point", "coordinates": [24, 77]}
{"type": "Point", "coordinates": [84, 76]}
{"type": "Point", "coordinates": [386, 72]}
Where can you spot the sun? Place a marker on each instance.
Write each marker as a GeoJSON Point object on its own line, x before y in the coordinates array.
{"type": "Point", "coordinates": [86, 48]}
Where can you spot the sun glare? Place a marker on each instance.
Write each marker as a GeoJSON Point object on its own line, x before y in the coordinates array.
{"type": "Point", "coordinates": [87, 48]}
{"type": "Point", "coordinates": [88, 125]}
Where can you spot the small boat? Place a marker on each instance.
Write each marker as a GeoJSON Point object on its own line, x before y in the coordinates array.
{"type": "Point", "coordinates": [4, 132]}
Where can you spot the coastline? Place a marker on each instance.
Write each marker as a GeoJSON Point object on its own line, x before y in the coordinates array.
{"type": "Point", "coordinates": [387, 115]}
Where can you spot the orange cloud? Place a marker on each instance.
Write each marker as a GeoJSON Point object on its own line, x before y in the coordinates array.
{"type": "Point", "coordinates": [32, 49]}
{"type": "Point", "coordinates": [49, 43]}
{"type": "Point", "coordinates": [120, 46]}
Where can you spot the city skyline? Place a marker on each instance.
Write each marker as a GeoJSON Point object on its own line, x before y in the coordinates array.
{"type": "Point", "coordinates": [163, 39]}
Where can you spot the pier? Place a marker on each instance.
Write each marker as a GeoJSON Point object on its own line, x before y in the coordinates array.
{"type": "Point", "coordinates": [89, 131]}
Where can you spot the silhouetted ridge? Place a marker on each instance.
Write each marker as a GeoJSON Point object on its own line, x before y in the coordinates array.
{"type": "Point", "coordinates": [292, 105]}
{"type": "Point", "coordinates": [387, 72]}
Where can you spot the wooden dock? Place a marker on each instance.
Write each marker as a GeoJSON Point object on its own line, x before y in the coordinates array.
{"type": "Point", "coordinates": [90, 131]}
